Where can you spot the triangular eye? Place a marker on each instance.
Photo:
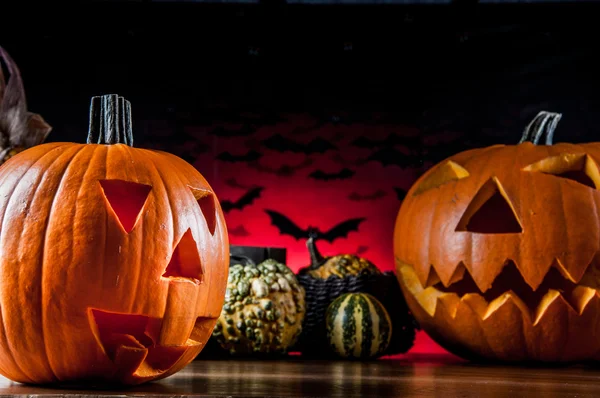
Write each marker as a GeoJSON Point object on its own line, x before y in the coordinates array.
{"type": "Point", "coordinates": [490, 212]}
{"type": "Point", "coordinates": [206, 201]}
{"type": "Point", "coordinates": [580, 168]}
{"type": "Point", "coordinates": [447, 172]}
{"type": "Point", "coordinates": [185, 261]}
{"type": "Point", "coordinates": [126, 199]}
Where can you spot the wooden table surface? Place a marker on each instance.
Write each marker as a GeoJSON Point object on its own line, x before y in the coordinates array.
{"type": "Point", "coordinates": [411, 376]}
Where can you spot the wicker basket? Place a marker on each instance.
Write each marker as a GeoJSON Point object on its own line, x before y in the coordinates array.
{"type": "Point", "coordinates": [321, 292]}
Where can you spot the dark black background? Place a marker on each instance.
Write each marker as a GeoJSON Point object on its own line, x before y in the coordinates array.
{"type": "Point", "coordinates": [479, 69]}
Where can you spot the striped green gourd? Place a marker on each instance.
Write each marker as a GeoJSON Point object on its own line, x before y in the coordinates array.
{"type": "Point", "coordinates": [358, 326]}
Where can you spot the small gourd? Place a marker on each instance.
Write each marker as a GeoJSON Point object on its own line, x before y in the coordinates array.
{"type": "Point", "coordinates": [340, 265]}
{"type": "Point", "coordinates": [358, 326]}
{"type": "Point", "coordinates": [264, 308]}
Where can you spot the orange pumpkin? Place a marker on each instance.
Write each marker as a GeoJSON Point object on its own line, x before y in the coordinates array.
{"type": "Point", "coordinates": [497, 250]}
{"type": "Point", "coordinates": [113, 259]}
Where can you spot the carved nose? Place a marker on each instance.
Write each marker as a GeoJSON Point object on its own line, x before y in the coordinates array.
{"type": "Point", "coordinates": [490, 212]}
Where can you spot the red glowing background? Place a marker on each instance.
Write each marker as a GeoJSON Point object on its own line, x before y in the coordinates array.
{"type": "Point", "coordinates": [315, 173]}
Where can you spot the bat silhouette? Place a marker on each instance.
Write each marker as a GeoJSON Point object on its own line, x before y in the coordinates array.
{"type": "Point", "coordinates": [248, 157]}
{"type": "Point", "coordinates": [339, 159]}
{"type": "Point", "coordinates": [243, 131]}
{"type": "Point", "coordinates": [242, 202]}
{"type": "Point", "coordinates": [280, 143]}
{"type": "Point", "coordinates": [338, 136]}
{"type": "Point", "coordinates": [190, 153]}
{"type": "Point", "coordinates": [188, 157]}
{"type": "Point", "coordinates": [181, 136]}
{"type": "Point", "coordinates": [240, 230]}
{"type": "Point", "coordinates": [232, 182]}
{"type": "Point", "coordinates": [392, 157]}
{"type": "Point", "coordinates": [288, 227]}
{"type": "Point", "coordinates": [322, 120]}
{"type": "Point", "coordinates": [281, 171]}
{"type": "Point", "coordinates": [372, 196]}
{"type": "Point", "coordinates": [365, 118]}
{"type": "Point", "coordinates": [400, 193]}
{"type": "Point", "coordinates": [228, 120]}
{"type": "Point", "coordinates": [343, 174]}
{"type": "Point", "coordinates": [390, 141]}
{"type": "Point", "coordinates": [253, 143]}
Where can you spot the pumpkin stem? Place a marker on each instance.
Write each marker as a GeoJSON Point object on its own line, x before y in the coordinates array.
{"type": "Point", "coordinates": [544, 123]}
{"type": "Point", "coordinates": [110, 120]}
{"type": "Point", "coordinates": [316, 259]}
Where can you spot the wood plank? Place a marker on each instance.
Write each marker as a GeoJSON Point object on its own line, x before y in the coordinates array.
{"type": "Point", "coordinates": [412, 376]}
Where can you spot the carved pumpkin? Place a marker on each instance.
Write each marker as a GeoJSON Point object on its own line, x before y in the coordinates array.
{"type": "Point", "coordinates": [497, 250]}
{"type": "Point", "coordinates": [113, 259]}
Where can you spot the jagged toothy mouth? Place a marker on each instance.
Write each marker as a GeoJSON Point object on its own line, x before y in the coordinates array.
{"type": "Point", "coordinates": [135, 342]}
{"type": "Point", "coordinates": [509, 285]}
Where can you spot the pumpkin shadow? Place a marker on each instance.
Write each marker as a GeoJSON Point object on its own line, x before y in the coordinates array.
{"type": "Point", "coordinates": [86, 388]}
{"type": "Point", "coordinates": [477, 363]}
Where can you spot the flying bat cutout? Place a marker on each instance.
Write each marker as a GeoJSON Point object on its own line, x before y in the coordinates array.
{"type": "Point", "coordinates": [288, 227]}
{"type": "Point", "coordinates": [343, 174]}
{"type": "Point", "coordinates": [248, 157]}
{"type": "Point", "coordinates": [281, 171]}
{"type": "Point", "coordinates": [393, 157]}
{"type": "Point", "coordinates": [339, 159]}
{"type": "Point", "coordinates": [190, 153]}
{"type": "Point", "coordinates": [391, 140]}
{"type": "Point", "coordinates": [357, 197]}
{"type": "Point", "coordinates": [233, 183]}
{"type": "Point", "coordinates": [226, 132]}
{"type": "Point", "coordinates": [280, 143]}
{"type": "Point", "coordinates": [241, 203]}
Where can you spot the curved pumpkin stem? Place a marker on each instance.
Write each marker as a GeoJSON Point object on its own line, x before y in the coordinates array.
{"type": "Point", "coordinates": [316, 259]}
{"type": "Point", "coordinates": [544, 123]}
{"type": "Point", "coordinates": [110, 120]}
{"type": "Point", "coordinates": [241, 260]}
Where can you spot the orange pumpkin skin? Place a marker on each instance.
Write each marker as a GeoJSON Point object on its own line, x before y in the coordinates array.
{"type": "Point", "coordinates": [89, 291]}
{"type": "Point", "coordinates": [497, 252]}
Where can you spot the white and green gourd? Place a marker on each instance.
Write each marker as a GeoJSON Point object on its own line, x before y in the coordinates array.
{"type": "Point", "coordinates": [263, 311]}
{"type": "Point", "coordinates": [358, 326]}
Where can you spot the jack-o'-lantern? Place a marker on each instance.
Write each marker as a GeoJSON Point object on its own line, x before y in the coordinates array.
{"type": "Point", "coordinates": [113, 259]}
{"type": "Point", "coordinates": [497, 250]}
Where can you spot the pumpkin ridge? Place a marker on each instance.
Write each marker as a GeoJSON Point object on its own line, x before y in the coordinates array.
{"type": "Point", "coordinates": [3, 332]}
{"type": "Point", "coordinates": [513, 305]}
{"type": "Point", "coordinates": [220, 229]}
{"type": "Point", "coordinates": [43, 246]}
{"type": "Point", "coordinates": [206, 281]}
{"type": "Point", "coordinates": [142, 235]}
{"type": "Point", "coordinates": [17, 376]}
{"type": "Point", "coordinates": [437, 237]}
{"type": "Point", "coordinates": [104, 151]}
{"type": "Point", "coordinates": [95, 151]}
